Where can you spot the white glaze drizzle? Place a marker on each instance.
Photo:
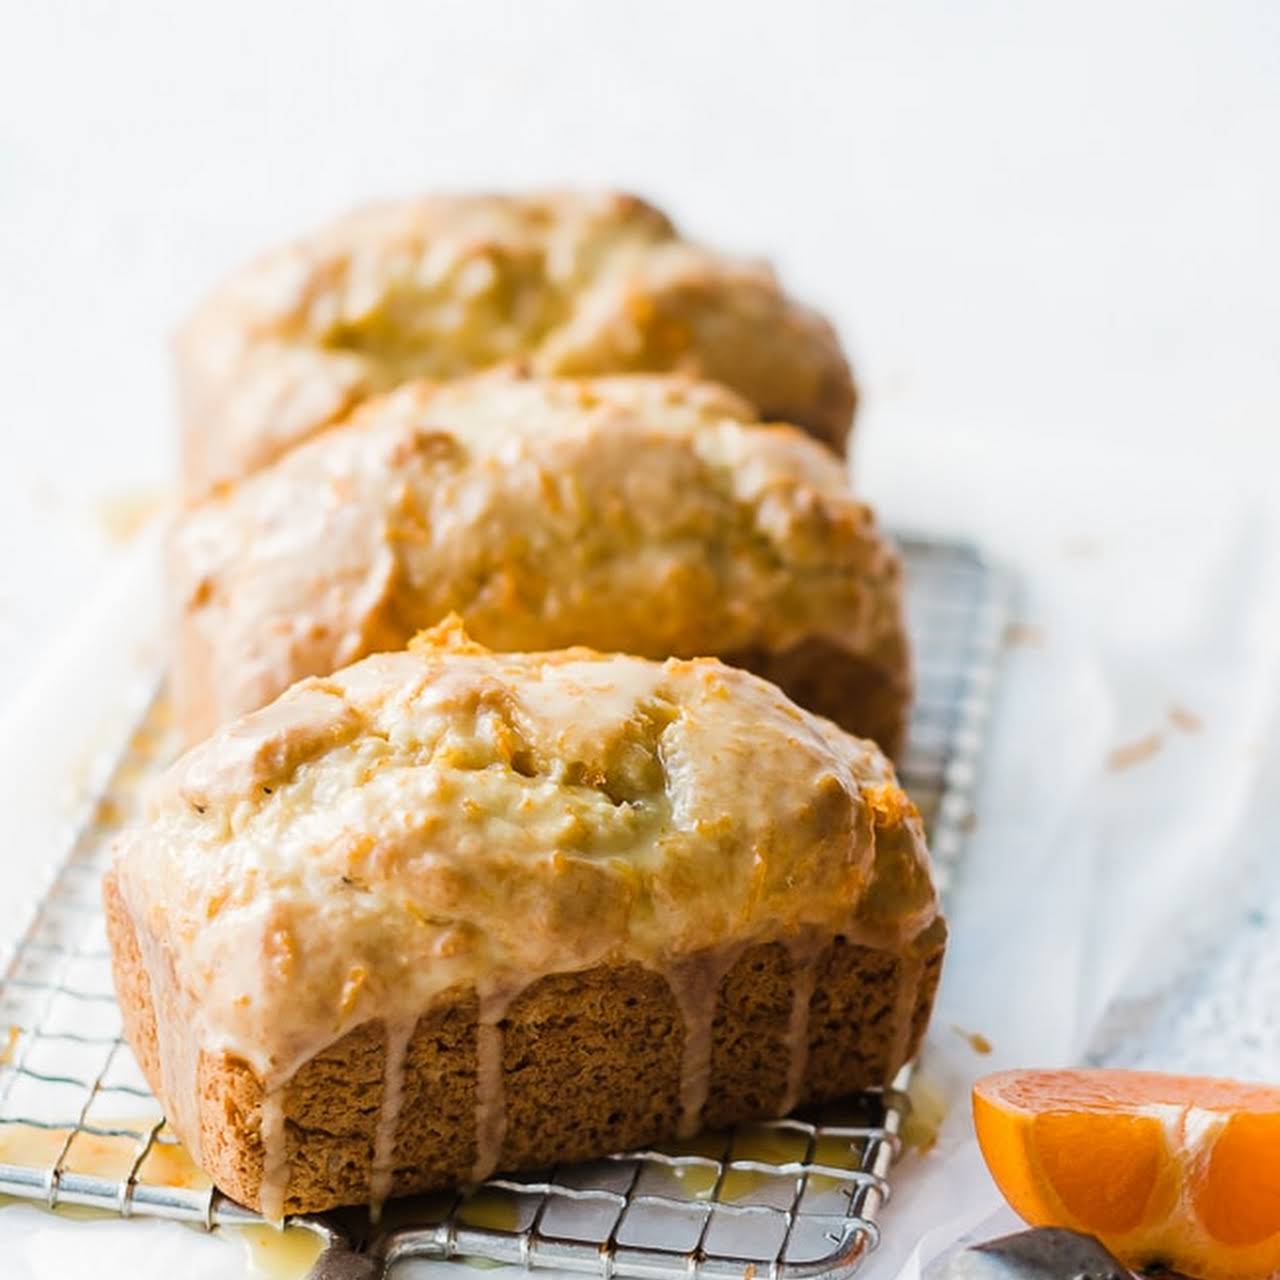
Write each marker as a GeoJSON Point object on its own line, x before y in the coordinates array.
{"type": "Point", "coordinates": [398, 1036]}
{"type": "Point", "coordinates": [805, 950]}
{"type": "Point", "coordinates": [275, 1156]}
{"type": "Point", "coordinates": [491, 1108]}
{"type": "Point", "coordinates": [695, 984]}
{"type": "Point", "coordinates": [177, 1052]}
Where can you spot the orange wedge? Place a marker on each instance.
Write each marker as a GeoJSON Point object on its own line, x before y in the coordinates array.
{"type": "Point", "coordinates": [1180, 1172]}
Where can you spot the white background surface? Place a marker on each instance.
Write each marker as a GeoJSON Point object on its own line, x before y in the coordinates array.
{"type": "Point", "coordinates": [1048, 234]}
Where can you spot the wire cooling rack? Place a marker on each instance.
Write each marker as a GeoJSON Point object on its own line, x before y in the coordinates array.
{"type": "Point", "coordinates": [788, 1198]}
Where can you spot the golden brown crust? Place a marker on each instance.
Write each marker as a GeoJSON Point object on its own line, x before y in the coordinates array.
{"type": "Point", "coordinates": [615, 1031]}
{"type": "Point", "coordinates": [869, 696]}
{"type": "Point", "coordinates": [367, 932]}
{"type": "Point", "coordinates": [649, 515]}
{"type": "Point", "coordinates": [564, 282]}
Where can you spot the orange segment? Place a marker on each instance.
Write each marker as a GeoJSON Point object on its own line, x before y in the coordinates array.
{"type": "Point", "coordinates": [1183, 1171]}
{"type": "Point", "coordinates": [1103, 1167]}
{"type": "Point", "coordinates": [1239, 1201]}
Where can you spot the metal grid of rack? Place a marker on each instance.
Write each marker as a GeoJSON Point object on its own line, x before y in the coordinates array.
{"type": "Point", "coordinates": [788, 1198]}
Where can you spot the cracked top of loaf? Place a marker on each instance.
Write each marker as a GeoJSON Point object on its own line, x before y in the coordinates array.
{"type": "Point", "coordinates": [446, 816]}
{"type": "Point", "coordinates": [565, 282]}
{"type": "Point", "coordinates": [647, 514]}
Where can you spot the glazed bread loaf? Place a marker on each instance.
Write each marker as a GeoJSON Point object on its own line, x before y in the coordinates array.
{"type": "Point", "coordinates": [367, 933]}
{"type": "Point", "coordinates": [437, 287]}
{"type": "Point", "coordinates": [643, 514]}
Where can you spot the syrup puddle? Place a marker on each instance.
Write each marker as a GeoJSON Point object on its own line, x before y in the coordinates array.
{"type": "Point", "coordinates": [923, 1121]}
{"type": "Point", "coordinates": [270, 1254]}
{"type": "Point", "coordinates": [766, 1146]}
{"type": "Point", "coordinates": [491, 1210]}
{"type": "Point", "coordinates": [836, 1153]}
{"type": "Point", "coordinates": [697, 1181]}
{"type": "Point", "coordinates": [273, 1254]}
{"type": "Point", "coordinates": [102, 1155]}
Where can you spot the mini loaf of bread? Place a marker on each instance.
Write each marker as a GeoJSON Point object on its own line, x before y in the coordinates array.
{"type": "Point", "coordinates": [647, 515]}
{"type": "Point", "coordinates": [442, 286]}
{"type": "Point", "coordinates": [368, 934]}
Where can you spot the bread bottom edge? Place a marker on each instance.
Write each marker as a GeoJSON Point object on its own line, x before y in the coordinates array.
{"type": "Point", "coordinates": [590, 1064]}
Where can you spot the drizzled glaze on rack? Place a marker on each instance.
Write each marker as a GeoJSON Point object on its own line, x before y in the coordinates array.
{"type": "Point", "coordinates": [447, 824]}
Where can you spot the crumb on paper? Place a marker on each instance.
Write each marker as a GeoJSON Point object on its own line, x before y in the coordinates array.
{"type": "Point", "coordinates": [124, 515]}
{"type": "Point", "coordinates": [108, 812]}
{"type": "Point", "coordinates": [1185, 719]}
{"type": "Point", "coordinates": [1128, 754]}
{"type": "Point", "coordinates": [976, 1040]}
{"type": "Point", "coordinates": [1024, 635]}
{"type": "Point", "coordinates": [10, 1041]}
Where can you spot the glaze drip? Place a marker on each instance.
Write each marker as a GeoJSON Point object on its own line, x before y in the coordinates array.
{"type": "Point", "coordinates": [399, 1034]}
{"type": "Point", "coordinates": [177, 1053]}
{"type": "Point", "coordinates": [491, 1109]}
{"type": "Point", "coordinates": [275, 1156]}
{"type": "Point", "coordinates": [806, 950]}
{"type": "Point", "coordinates": [695, 983]}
